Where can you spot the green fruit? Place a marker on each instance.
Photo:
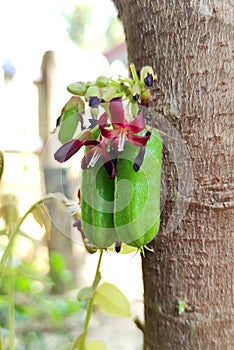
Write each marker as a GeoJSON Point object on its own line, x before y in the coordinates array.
{"type": "Point", "coordinates": [102, 81]}
{"type": "Point", "coordinates": [97, 202]}
{"type": "Point", "coordinates": [77, 88]}
{"type": "Point", "coordinates": [137, 194]}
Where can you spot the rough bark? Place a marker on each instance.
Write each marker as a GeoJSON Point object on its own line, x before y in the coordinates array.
{"type": "Point", "coordinates": [190, 45]}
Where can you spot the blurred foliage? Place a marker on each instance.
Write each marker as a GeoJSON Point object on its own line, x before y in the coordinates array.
{"type": "Point", "coordinates": [81, 29]}
{"type": "Point", "coordinates": [29, 312]}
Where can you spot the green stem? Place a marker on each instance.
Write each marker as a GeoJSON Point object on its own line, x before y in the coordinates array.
{"type": "Point", "coordinates": [90, 305]}
{"type": "Point", "coordinates": [7, 252]}
{"type": "Point", "coordinates": [11, 311]}
{"type": "Point", "coordinates": [1, 341]}
{"type": "Point", "coordinates": [134, 73]}
{"type": "Point", "coordinates": [10, 286]}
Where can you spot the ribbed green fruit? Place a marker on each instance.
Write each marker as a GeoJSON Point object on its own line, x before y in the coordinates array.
{"type": "Point", "coordinates": [97, 205]}
{"type": "Point", "coordinates": [137, 194]}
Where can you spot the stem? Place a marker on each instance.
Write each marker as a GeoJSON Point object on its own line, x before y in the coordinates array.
{"type": "Point", "coordinates": [1, 341]}
{"type": "Point", "coordinates": [134, 73]}
{"type": "Point", "coordinates": [11, 311]}
{"type": "Point", "coordinates": [90, 305]}
{"type": "Point", "coordinates": [10, 287]}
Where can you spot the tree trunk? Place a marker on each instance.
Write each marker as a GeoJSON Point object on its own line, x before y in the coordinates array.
{"type": "Point", "coordinates": [190, 45]}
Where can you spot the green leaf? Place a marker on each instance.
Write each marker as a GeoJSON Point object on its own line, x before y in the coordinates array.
{"type": "Point", "coordinates": [111, 300]}
{"type": "Point", "coordinates": [96, 345]}
{"type": "Point", "coordinates": [181, 307]}
{"type": "Point", "coordinates": [85, 293]}
{"type": "Point", "coordinates": [41, 215]}
{"type": "Point", "coordinates": [71, 113]}
{"type": "Point", "coordinates": [68, 125]}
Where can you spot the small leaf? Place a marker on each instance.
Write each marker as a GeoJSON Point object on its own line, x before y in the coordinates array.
{"type": "Point", "coordinates": [85, 293]}
{"type": "Point", "coordinates": [96, 345]}
{"type": "Point", "coordinates": [181, 307]}
{"type": "Point", "coordinates": [111, 300]}
{"type": "Point", "coordinates": [41, 215]}
{"type": "Point", "coordinates": [68, 125]}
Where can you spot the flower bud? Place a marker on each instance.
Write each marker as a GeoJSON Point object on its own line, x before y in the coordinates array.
{"type": "Point", "coordinates": [102, 81]}
{"type": "Point", "coordinates": [147, 76]}
{"type": "Point", "coordinates": [77, 88]}
{"type": "Point", "coordinates": [92, 91]}
{"type": "Point", "coordinates": [109, 93]}
{"type": "Point", "coordinates": [136, 91]}
{"type": "Point", "coordinates": [75, 103]}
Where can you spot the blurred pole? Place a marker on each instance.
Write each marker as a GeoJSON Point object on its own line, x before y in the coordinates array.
{"type": "Point", "coordinates": [54, 178]}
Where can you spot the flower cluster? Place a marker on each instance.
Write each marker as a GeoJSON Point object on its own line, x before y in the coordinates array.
{"type": "Point", "coordinates": [108, 132]}
{"type": "Point", "coordinates": [113, 133]}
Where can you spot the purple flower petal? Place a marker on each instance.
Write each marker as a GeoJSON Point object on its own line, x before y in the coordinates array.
{"type": "Point", "coordinates": [109, 164]}
{"type": "Point", "coordinates": [108, 133]}
{"type": "Point", "coordinates": [139, 158]}
{"type": "Point", "coordinates": [137, 124]}
{"type": "Point", "coordinates": [117, 113]}
{"type": "Point", "coordinates": [138, 140]}
{"type": "Point", "coordinates": [103, 120]}
{"type": "Point", "coordinates": [67, 150]}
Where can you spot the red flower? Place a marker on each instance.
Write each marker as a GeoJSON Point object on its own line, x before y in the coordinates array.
{"type": "Point", "coordinates": [123, 130]}
{"type": "Point", "coordinates": [97, 150]}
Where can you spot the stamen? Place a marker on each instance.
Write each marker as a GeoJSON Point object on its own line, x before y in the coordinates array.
{"type": "Point", "coordinates": [122, 141]}
{"type": "Point", "coordinates": [94, 159]}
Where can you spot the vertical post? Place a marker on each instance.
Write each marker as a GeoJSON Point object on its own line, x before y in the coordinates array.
{"type": "Point", "coordinates": [53, 176]}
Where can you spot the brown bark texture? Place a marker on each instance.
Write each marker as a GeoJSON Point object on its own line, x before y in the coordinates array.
{"type": "Point", "coordinates": [190, 44]}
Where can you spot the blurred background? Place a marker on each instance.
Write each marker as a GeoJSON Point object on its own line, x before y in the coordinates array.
{"type": "Point", "coordinates": [44, 46]}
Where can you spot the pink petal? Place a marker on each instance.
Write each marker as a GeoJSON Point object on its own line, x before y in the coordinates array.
{"type": "Point", "coordinates": [117, 113]}
{"type": "Point", "coordinates": [67, 150]}
{"type": "Point", "coordinates": [108, 133]}
{"type": "Point", "coordinates": [103, 119]}
{"type": "Point", "coordinates": [138, 140]}
{"type": "Point", "coordinates": [108, 163]}
{"type": "Point", "coordinates": [138, 123]}
{"type": "Point", "coordinates": [90, 143]}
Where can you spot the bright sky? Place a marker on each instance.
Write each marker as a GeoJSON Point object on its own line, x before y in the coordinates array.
{"type": "Point", "coordinates": [29, 27]}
